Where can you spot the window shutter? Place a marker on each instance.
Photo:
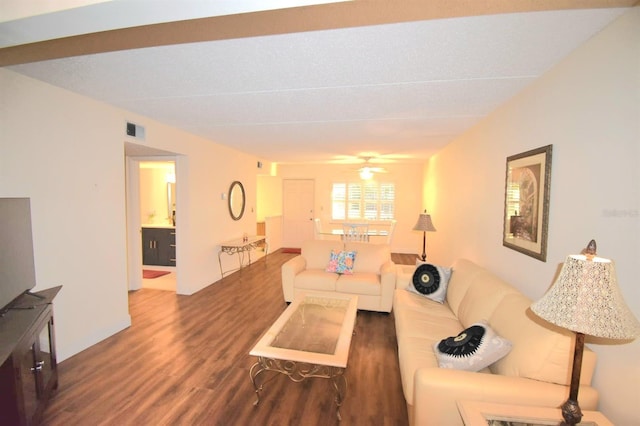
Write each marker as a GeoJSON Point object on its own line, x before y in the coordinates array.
{"type": "Point", "coordinates": [387, 201]}
{"type": "Point", "coordinates": [357, 201]}
{"type": "Point", "coordinates": [339, 201]}
{"type": "Point", "coordinates": [355, 197]}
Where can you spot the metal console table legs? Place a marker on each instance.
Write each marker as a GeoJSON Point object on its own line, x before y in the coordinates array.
{"type": "Point", "coordinates": [241, 246]}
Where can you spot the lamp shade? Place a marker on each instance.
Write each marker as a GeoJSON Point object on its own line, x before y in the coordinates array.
{"type": "Point", "coordinates": [424, 223]}
{"type": "Point", "coordinates": [586, 299]}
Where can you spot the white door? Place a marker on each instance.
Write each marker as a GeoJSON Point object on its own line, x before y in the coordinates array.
{"type": "Point", "coordinates": [297, 211]}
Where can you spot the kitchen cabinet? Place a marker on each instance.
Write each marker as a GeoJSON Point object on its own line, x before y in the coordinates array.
{"type": "Point", "coordinates": [29, 373]}
{"type": "Point", "coordinates": [159, 246]}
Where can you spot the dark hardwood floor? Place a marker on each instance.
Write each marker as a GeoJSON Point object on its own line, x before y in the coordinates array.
{"type": "Point", "coordinates": [185, 361]}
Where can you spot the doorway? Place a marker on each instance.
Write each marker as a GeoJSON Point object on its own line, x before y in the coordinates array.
{"type": "Point", "coordinates": [297, 211]}
{"type": "Point", "coordinates": [152, 197]}
{"type": "Point", "coordinates": [158, 218]}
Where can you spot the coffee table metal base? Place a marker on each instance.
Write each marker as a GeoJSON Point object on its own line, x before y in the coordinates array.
{"type": "Point", "coordinates": [297, 372]}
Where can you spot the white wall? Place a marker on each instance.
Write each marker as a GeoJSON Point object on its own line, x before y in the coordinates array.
{"type": "Point", "coordinates": [273, 232]}
{"type": "Point", "coordinates": [269, 195]}
{"type": "Point", "coordinates": [66, 152]}
{"type": "Point", "coordinates": [60, 151]}
{"type": "Point", "coordinates": [588, 107]}
{"type": "Point", "coordinates": [408, 196]}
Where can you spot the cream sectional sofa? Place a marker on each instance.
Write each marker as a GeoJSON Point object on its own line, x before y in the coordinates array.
{"type": "Point", "coordinates": [373, 278]}
{"type": "Point", "coordinates": [537, 370]}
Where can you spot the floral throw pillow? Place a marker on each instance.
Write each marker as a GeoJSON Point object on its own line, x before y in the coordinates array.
{"type": "Point", "coordinates": [341, 262]}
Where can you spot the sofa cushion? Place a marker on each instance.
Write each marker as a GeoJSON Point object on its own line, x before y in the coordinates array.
{"type": "Point", "coordinates": [421, 317]}
{"type": "Point", "coordinates": [473, 349]}
{"type": "Point", "coordinates": [341, 262]}
{"type": "Point", "coordinates": [415, 353]}
{"type": "Point", "coordinates": [360, 283]}
{"type": "Point", "coordinates": [420, 322]}
{"type": "Point", "coordinates": [370, 257]}
{"type": "Point", "coordinates": [430, 281]}
{"type": "Point", "coordinates": [317, 252]}
{"type": "Point", "coordinates": [463, 274]}
{"type": "Point", "coordinates": [541, 351]}
{"type": "Point", "coordinates": [482, 298]}
{"type": "Point", "coordinates": [316, 279]}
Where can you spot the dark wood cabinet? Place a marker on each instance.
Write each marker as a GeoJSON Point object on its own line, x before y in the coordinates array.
{"type": "Point", "coordinates": [29, 373]}
{"type": "Point", "coordinates": [159, 246]}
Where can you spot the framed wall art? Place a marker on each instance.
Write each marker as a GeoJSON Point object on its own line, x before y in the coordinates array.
{"type": "Point", "coordinates": [526, 202]}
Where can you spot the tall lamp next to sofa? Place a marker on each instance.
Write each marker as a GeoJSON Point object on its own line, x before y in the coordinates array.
{"type": "Point", "coordinates": [586, 300]}
{"type": "Point", "coordinates": [424, 224]}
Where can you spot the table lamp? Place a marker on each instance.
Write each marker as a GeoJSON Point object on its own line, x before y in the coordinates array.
{"type": "Point", "coordinates": [586, 300]}
{"type": "Point", "coordinates": [424, 224]}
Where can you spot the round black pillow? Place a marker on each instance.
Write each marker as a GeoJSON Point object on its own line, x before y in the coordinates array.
{"type": "Point", "coordinates": [426, 279]}
{"type": "Point", "coordinates": [465, 343]}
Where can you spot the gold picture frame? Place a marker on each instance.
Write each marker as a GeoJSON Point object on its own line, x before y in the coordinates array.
{"type": "Point", "coordinates": [526, 202]}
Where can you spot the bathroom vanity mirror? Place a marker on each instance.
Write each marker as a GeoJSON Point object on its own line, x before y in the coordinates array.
{"type": "Point", "coordinates": [236, 200]}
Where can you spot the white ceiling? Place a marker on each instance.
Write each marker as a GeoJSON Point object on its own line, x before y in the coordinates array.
{"type": "Point", "coordinates": [399, 91]}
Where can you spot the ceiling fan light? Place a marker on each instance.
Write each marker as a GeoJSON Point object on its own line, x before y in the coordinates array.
{"type": "Point", "coordinates": [366, 173]}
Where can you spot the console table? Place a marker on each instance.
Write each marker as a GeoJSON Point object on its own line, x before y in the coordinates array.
{"type": "Point", "coordinates": [242, 246]}
{"type": "Point", "coordinates": [28, 369]}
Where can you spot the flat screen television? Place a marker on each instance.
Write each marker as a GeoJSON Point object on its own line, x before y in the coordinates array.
{"type": "Point", "coordinates": [17, 267]}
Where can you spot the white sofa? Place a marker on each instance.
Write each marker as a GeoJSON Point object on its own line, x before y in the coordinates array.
{"type": "Point", "coordinates": [373, 278]}
{"type": "Point", "coordinates": [537, 371]}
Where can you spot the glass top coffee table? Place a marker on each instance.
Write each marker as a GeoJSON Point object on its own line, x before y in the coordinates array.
{"type": "Point", "coordinates": [310, 339]}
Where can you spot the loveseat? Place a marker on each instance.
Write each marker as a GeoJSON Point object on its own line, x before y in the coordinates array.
{"type": "Point", "coordinates": [372, 276]}
{"type": "Point", "coordinates": [536, 371]}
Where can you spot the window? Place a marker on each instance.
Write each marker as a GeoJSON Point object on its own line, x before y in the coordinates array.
{"type": "Point", "coordinates": [369, 200]}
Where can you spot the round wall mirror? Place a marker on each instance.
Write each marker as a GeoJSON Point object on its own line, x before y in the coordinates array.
{"type": "Point", "coordinates": [236, 200]}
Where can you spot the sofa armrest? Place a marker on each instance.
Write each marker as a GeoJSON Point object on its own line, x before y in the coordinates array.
{"type": "Point", "coordinates": [437, 391]}
{"type": "Point", "coordinates": [388, 285]}
{"type": "Point", "coordinates": [289, 270]}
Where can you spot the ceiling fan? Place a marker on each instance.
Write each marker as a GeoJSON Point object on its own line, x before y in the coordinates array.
{"type": "Point", "coordinates": [366, 172]}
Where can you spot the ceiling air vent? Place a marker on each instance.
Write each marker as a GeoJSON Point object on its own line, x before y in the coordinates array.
{"type": "Point", "coordinates": [135, 131]}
